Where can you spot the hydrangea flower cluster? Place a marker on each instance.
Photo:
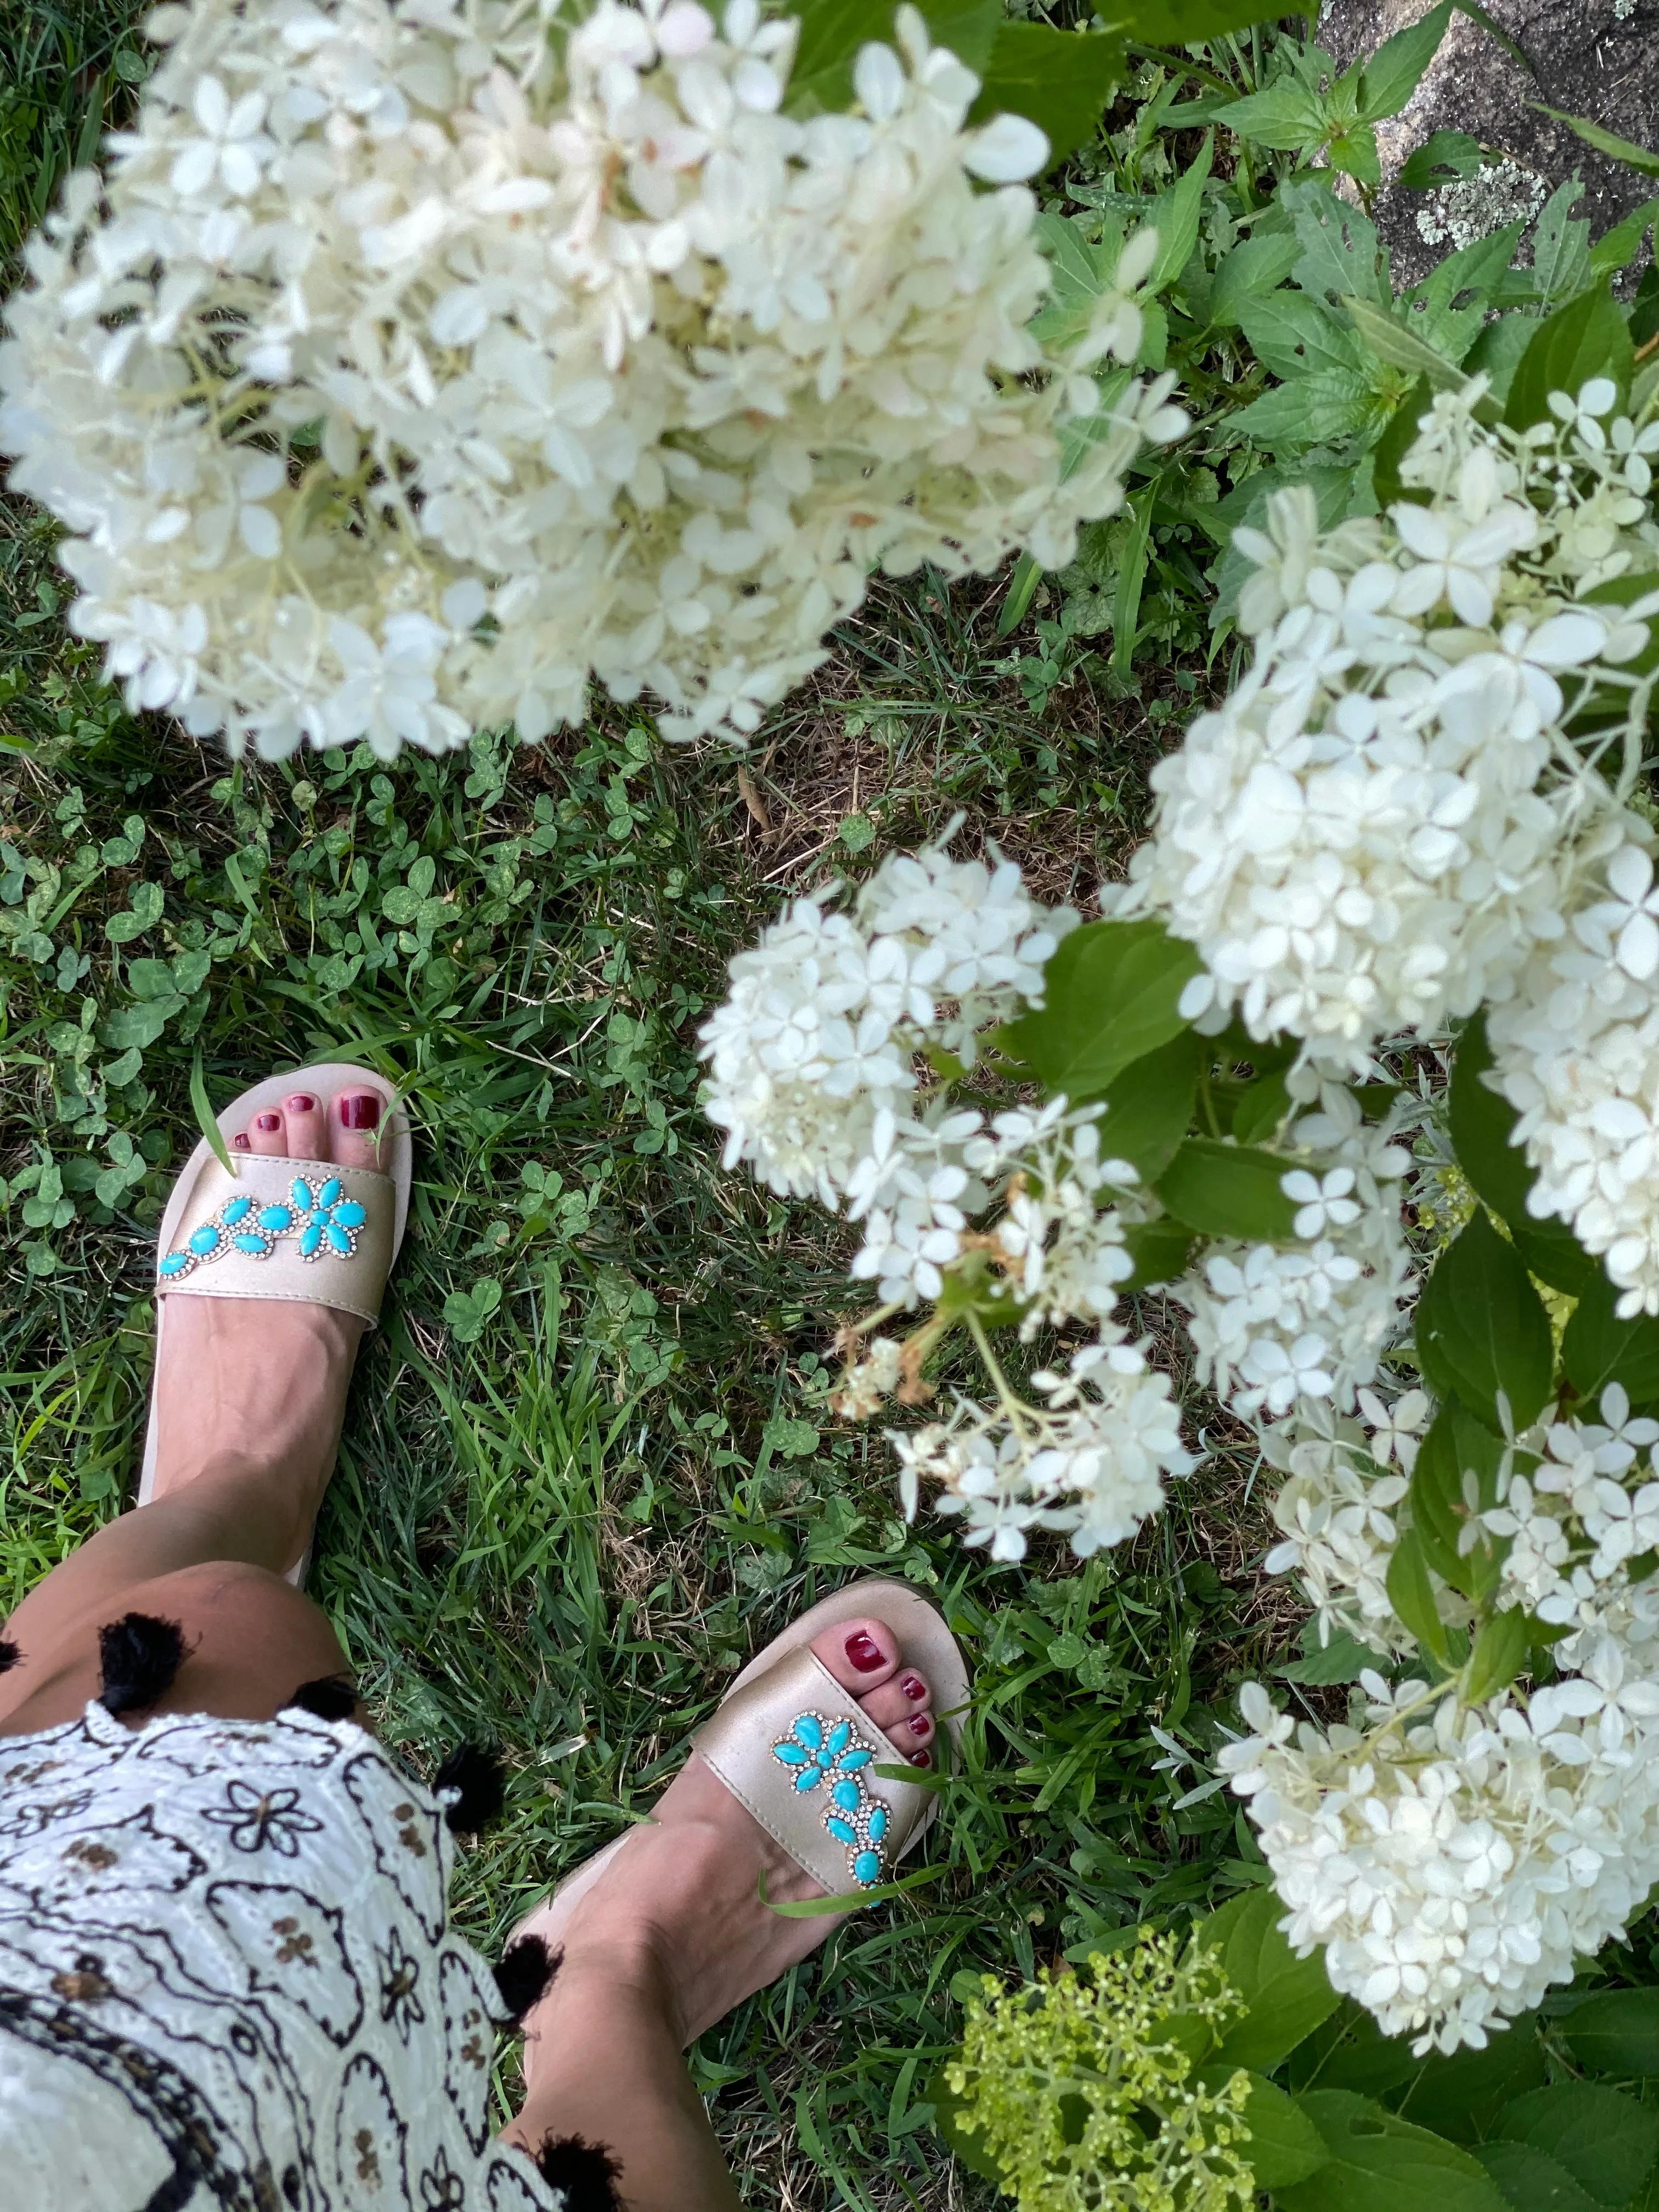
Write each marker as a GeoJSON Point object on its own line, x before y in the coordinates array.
{"type": "Point", "coordinates": [1386, 820]}
{"type": "Point", "coordinates": [421, 361]}
{"type": "Point", "coordinates": [1455, 1860]}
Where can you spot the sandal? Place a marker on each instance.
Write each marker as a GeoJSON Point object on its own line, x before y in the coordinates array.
{"type": "Point", "coordinates": [797, 1753]}
{"type": "Point", "coordinates": [279, 1228]}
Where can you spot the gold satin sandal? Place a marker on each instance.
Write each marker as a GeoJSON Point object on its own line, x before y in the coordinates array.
{"type": "Point", "coordinates": [281, 1228]}
{"type": "Point", "coordinates": [797, 1751]}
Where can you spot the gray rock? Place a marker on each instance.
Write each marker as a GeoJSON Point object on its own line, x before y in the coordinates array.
{"type": "Point", "coordinates": [1598, 58]}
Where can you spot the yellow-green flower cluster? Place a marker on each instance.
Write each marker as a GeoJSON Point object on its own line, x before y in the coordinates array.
{"type": "Point", "coordinates": [1081, 2088]}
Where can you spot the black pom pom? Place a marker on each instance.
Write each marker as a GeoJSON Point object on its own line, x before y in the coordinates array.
{"type": "Point", "coordinates": [330, 1697]}
{"type": "Point", "coordinates": [526, 1975]}
{"type": "Point", "coordinates": [141, 1657]}
{"type": "Point", "coordinates": [10, 1654]}
{"type": "Point", "coordinates": [475, 1772]}
{"type": "Point", "coordinates": [586, 2171]}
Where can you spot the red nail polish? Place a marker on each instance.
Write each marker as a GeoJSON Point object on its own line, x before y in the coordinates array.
{"type": "Point", "coordinates": [302, 1103]}
{"type": "Point", "coordinates": [267, 1121]}
{"type": "Point", "coordinates": [913, 1686]}
{"type": "Point", "coordinates": [360, 1110]}
{"type": "Point", "coordinates": [922, 1725]}
{"type": "Point", "coordinates": [864, 1652]}
{"type": "Point", "coordinates": [238, 1143]}
{"type": "Point", "coordinates": [922, 1758]}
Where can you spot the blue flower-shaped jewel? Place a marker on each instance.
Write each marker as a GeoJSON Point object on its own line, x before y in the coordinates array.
{"type": "Point", "coordinates": [330, 1220]}
{"type": "Point", "coordinates": [819, 1750]}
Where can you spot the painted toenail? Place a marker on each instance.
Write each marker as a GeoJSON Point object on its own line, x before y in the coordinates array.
{"type": "Point", "coordinates": [360, 1110]}
{"type": "Point", "coordinates": [267, 1121]}
{"type": "Point", "coordinates": [238, 1143]}
{"type": "Point", "coordinates": [865, 1652]}
{"type": "Point", "coordinates": [922, 1758]}
{"type": "Point", "coordinates": [302, 1103]}
{"type": "Point", "coordinates": [914, 1687]}
{"type": "Point", "coordinates": [922, 1725]}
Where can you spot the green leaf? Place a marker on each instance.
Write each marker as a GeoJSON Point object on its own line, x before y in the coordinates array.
{"type": "Point", "coordinates": [1314, 409]}
{"type": "Point", "coordinates": [1616, 2032]}
{"type": "Point", "coordinates": [1059, 80]}
{"type": "Point", "coordinates": [1338, 244]}
{"type": "Point", "coordinates": [1228, 1190]}
{"type": "Point", "coordinates": [1459, 2095]}
{"type": "Point", "coordinates": [1482, 1124]}
{"type": "Point", "coordinates": [1399, 434]}
{"type": "Point", "coordinates": [1355, 153]}
{"type": "Point", "coordinates": [1598, 1348]}
{"type": "Point", "coordinates": [1498, 1655]}
{"type": "Point", "coordinates": [962, 2144]}
{"type": "Point", "coordinates": [1112, 991]}
{"type": "Point", "coordinates": [832, 32]}
{"type": "Point", "coordinates": [1617, 247]}
{"type": "Point", "coordinates": [1022, 590]}
{"type": "Point", "coordinates": [1149, 1106]}
{"type": "Point", "coordinates": [1449, 157]}
{"type": "Point", "coordinates": [1481, 1328]}
{"type": "Point", "coordinates": [1605, 2141]}
{"type": "Point", "coordinates": [139, 1025]}
{"type": "Point", "coordinates": [1187, 22]}
{"type": "Point", "coordinates": [1381, 2164]}
{"type": "Point", "coordinates": [1288, 117]}
{"type": "Point", "coordinates": [1396, 69]}
{"type": "Point", "coordinates": [467, 1312]}
{"type": "Point", "coordinates": [1394, 342]}
{"type": "Point", "coordinates": [1531, 2180]}
{"type": "Point", "coordinates": [1344, 1659]}
{"type": "Point", "coordinates": [1287, 1996]}
{"type": "Point", "coordinates": [1264, 1106]}
{"type": "Point", "coordinates": [206, 1120]}
{"type": "Point", "coordinates": [1291, 334]}
{"type": "Point", "coordinates": [1449, 308]}
{"type": "Point", "coordinates": [1605, 142]}
{"type": "Point", "coordinates": [1249, 274]}
{"type": "Point", "coordinates": [1412, 1596]}
{"type": "Point", "coordinates": [1285, 2145]}
{"type": "Point", "coordinates": [1131, 576]}
{"type": "Point", "coordinates": [1560, 247]}
{"type": "Point", "coordinates": [1457, 1445]}
{"type": "Point", "coordinates": [1176, 214]}
{"type": "Point", "coordinates": [1159, 1250]}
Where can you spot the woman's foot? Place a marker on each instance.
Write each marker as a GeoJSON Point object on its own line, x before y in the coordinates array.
{"type": "Point", "coordinates": [260, 1384]}
{"type": "Point", "coordinates": [676, 1915]}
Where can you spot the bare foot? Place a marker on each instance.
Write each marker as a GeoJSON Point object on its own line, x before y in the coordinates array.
{"type": "Point", "coordinates": [262, 1381]}
{"type": "Point", "coordinates": [678, 1912]}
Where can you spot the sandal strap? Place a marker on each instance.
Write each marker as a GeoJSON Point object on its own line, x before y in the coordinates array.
{"type": "Point", "coordinates": [797, 1751]}
{"type": "Point", "coordinates": [304, 1229]}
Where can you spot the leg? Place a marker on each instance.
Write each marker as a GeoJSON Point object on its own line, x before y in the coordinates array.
{"type": "Point", "coordinates": [249, 1396]}
{"type": "Point", "coordinates": [669, 1938]}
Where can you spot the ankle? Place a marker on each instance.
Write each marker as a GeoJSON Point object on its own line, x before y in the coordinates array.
{"type": "Point", "coordinates": [604, 1975]}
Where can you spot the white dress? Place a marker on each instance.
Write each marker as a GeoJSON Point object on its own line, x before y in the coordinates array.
{"type": "Point", "coordinates": [228, 1981]}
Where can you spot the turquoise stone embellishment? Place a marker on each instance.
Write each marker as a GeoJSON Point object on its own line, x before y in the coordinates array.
{"type": "Point", "coordinates": [819, 1750]}
{"type": "Point", "coordinates": [325, 1222]}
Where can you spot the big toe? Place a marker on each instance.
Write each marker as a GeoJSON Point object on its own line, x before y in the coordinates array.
{"type": "Point", "coordinates": [864, 1657]}
{"type": "Point", "coordinates": [356, 1123]}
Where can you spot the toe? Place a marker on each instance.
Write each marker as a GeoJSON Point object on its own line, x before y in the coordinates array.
{"type": "Point", "coordinates": [354, 1127]}
{"type": "Point", "coordinates": [265, 1133]}
{"type": "Point", "coordinates": [307, 1129]}
{"type": "Point", "coordinates": [862, 1655]}
{"type": "Point", "coordinates": [906, 1697]}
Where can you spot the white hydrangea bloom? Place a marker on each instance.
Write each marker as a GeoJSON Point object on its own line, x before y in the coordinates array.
{"type": "Point", "coordinates": [424, 359]}
{"type": "Point", "coordinates": [1385, 820]}
{"type": "Point", "coordinates": [1090, 1463]}
{"type": "Point", "coordinates": [1453, 1863]}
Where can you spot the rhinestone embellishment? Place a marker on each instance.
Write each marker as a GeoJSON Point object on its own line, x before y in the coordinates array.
{"type": "Point", "coordinates": [832, 1754]}
{"type": "Point", "coordinates": [320, 1216]}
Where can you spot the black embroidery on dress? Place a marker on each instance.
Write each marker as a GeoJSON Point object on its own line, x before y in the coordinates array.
{"type": "Point", "coordinates": [475, 1772]}
{"type": "Point", "coordinates": [330, 1697]}
{"type": "Point", "coordinates": [442, 2189]}
{"type": "Point", "coordinates": [526, 1975]}
{"type": "Point", "coordinates": [10, 1654]}
{"type": "Point", "coordinates": [140, 1656]}
{"type": "Point", "coordinates": [399, 1972]}
{"type": "Point", "coordinates": [586, 2171]}
{"type": "Point", "coordinates": [187, 2127]}
{"type": "Point", "coordinates": [260, 1818]}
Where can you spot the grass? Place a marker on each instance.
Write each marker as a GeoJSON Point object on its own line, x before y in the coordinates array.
{"type": "Point", "coordinates": [588, 1467]}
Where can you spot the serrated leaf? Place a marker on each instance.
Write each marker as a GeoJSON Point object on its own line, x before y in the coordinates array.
{"type": "Point", "coordinates": [1531, 2180]}
{"type": "Point", "coordinates": [1344, 1659]}
{"type": "Point", "coordinates": [1481, 1328]}
{"type": "Point", "coordinates": [1291, 335]}
{"type": "Point", "coordinates": [1338, 244]}
{"type": "Point", "coordinates": [1498, 1654]}
{"type": "Point", "coordinates": [1288, 116]}
{"type": "Point", "coordinates": [1159, 1249]}
{"type": "Point", "coordinates": [1287, 1996]}
{"type": "Point", "coordinates": [1150, 1105]}
{"type": "Point", "coordinates": [1447, 157]}
{"type": "Point", "coordinates": [1381, 2164]}
{"type": "Point", "coordinates": [1589, 337]}
{"type": "Point", "coordinates": [1457, 1445]}
{"type": "Point", "coordinates": [1606, 2141]}
{"type": "Point", "coordinates": [1184, 23]}
{"type": "Point", "coordinates": [1598, 1348]}
{"type": "Point", "coordinates": [1392, 341]}
{"type": "Point", "coordinates": [1112, 991]}
{"type": "Point", "coordinates": [832, 32]}
{"type": "Point", "coordinates": [1285, 2146]}
{"type": "Point", "coordinates": [1228, 1190]}
{"type": "Point", "coordinates": [1412, 1596]}
{"type": "Point", "coordinates": [1449, 308]}
{"type": "Point", "coordinates": [1249, 274]}
{"type": "Point", "coordinates": [1059, 80]}
{"type": "Point", "coordinates": [1605, 142]}
{"type": "Point", "coordinates": [1616, 2032]}
{"type": "Point", "coordinates": [1459, 2095]}
{"type": "Point", "coordinates": [1396, 69]}
{"type": "Point", "coordinates": [1618, 246]}
{"type": "Point", "coordinates": [1312, 411]}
